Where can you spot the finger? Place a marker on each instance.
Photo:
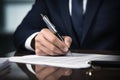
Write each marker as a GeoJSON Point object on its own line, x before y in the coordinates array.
{"type": "Point", "coordinates": [51, 47]}
{"type": "Point", "coordinates": [43, 51]}
{"type": "Point", "coordinates": [68, 41]}
{"type": "Point", "coordinates": [56, 41]}
{"type": "Point", "coordinates": [40, 50]}
{"type": "Point", "coordinates": [45, 46]}
{"type": "Point", "coordinates": [40, 45]}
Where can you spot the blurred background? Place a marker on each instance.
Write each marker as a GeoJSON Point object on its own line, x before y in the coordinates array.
{"type": "Point", "coordinates": [12, 13]}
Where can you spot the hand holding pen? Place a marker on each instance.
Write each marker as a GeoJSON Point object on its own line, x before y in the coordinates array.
{"type": "Point", "coordinates": [47, 43]}
{"type": "Point", "coordinates": [52, 28]}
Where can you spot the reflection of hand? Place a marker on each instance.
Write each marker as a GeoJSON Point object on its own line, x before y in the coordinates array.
{"type": "Point", "coordinates": [51, 73]}
{"type": "Point", "coordinates": [46, 43]}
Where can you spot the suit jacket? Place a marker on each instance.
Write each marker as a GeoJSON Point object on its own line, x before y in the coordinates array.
{"type": "Point", "coordinates": [101, 25]}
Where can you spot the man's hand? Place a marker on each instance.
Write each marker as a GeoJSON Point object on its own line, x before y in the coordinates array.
{"type": "Point", "coordinates": [51, 73]}
{"type": "Point", "coordinates": [46, 43]}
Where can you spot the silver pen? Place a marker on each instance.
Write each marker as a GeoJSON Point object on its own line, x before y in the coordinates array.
{"type": "Point", "coordinates": [52, 28]}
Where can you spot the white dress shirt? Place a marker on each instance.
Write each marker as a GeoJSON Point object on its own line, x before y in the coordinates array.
{"type": "Point", "coordinates": [29, 39]}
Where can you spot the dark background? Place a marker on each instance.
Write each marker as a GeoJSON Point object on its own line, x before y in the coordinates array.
{"type": "Point", "coordinates": [6, 37]}
{"type": "Point", "coordinates": [6, 43]}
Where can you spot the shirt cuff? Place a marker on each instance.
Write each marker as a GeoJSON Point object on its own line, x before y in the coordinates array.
{"type": "Point", "coordinates": [28, 41]}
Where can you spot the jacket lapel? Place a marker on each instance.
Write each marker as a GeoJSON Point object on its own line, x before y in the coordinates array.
{"type": "Point", "coordinates": [91, 11]}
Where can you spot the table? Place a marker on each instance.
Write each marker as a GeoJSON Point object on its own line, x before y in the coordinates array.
{"type": "Point", "coordinates": [21, 72]}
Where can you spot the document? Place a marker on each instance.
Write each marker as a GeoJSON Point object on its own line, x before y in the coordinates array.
{"type": "Point", "coordinates": [76, 61]}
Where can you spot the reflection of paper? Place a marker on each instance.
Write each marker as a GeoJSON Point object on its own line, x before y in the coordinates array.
{"type": "Point", "coordinates": [3, 63]}
{"type": "Point", "coordinates": [74, 61]}
{"type": "Point", "coordinates": [4, 68]}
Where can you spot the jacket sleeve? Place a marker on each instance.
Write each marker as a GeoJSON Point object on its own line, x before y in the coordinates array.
{"type": "Point", "coordinates": [31, 23]}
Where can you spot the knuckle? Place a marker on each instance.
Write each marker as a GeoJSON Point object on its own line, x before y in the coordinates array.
{"type": "Point", "coordinates": [44, 30]}
{"type": "Point", "coordinates": [53, 39]}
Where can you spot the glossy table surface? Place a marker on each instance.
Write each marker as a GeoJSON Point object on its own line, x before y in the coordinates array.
{"type": "Point", "coordinates": [21, 72]}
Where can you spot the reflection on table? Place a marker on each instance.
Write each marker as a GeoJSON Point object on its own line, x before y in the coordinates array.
{"type": "Point", "coordinates": [51, 73]}
{"type": "Point", "coordinates": [55, 73]}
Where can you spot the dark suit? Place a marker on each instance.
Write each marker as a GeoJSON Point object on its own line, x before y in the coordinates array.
{"type": "Point", "coordinates": [101, 25]}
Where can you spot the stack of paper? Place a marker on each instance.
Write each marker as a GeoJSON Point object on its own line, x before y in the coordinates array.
{"type": "Point", "coordinates": [4, 68]}
{"type": "Point", "coordinates": [77, 60]}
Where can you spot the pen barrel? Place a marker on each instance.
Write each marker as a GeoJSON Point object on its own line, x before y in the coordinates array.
{"type": "Point", "coordinates": [59, 36]}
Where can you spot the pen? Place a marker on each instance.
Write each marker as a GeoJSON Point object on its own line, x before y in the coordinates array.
{"type": "Point", "coordinates": [52, 28]}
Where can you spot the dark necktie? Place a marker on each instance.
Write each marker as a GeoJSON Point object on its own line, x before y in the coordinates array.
{"type": "Point", "coordinates": [77, 17]}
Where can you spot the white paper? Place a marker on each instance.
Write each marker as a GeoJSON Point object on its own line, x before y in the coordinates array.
{"type": "Point", "coordinates": [76, 61]}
